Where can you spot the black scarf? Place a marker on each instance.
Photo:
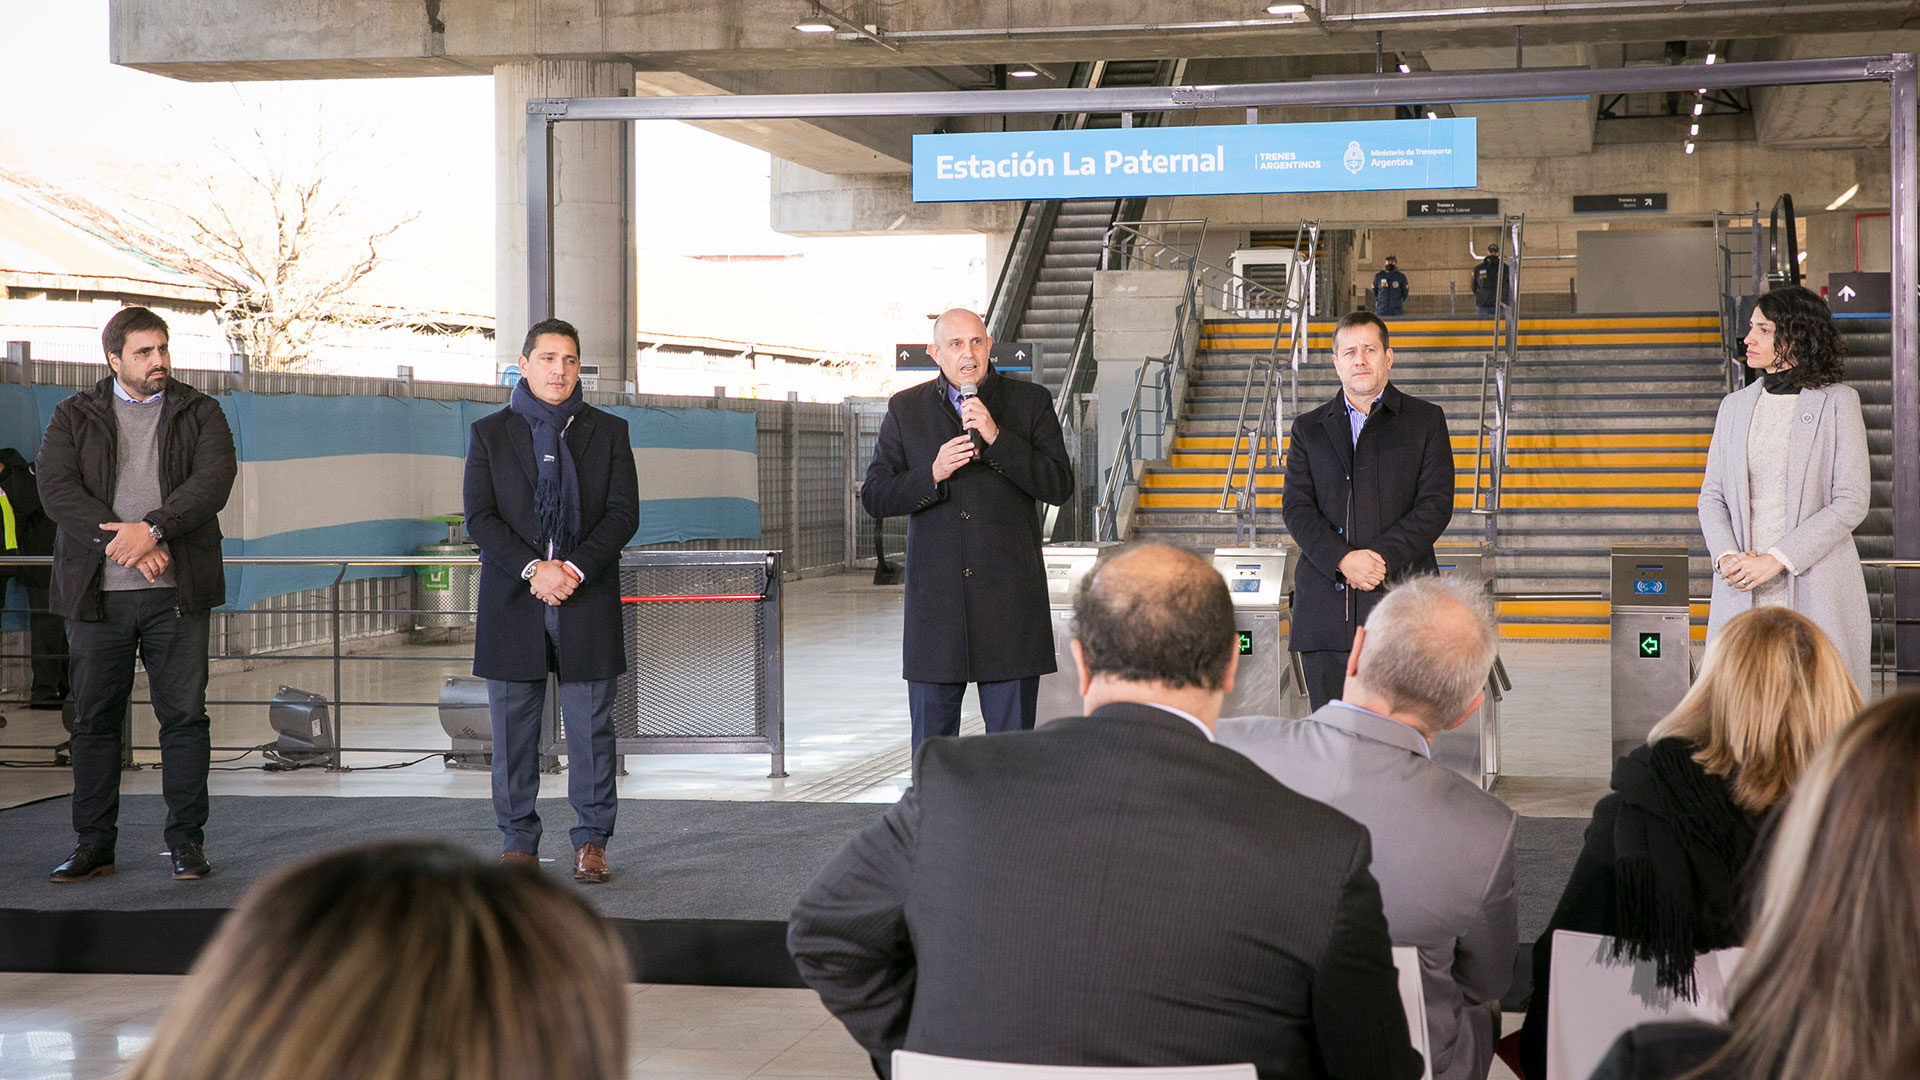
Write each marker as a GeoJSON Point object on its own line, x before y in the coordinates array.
{"type": "Point", "coordinates": [556, 489]}
{"type": "Point", "coordinates": [1780, 382]}
{"type": "Point", "coordinates": [1680, 849]}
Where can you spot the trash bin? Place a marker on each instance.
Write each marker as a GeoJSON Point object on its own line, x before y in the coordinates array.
{"type": "Point", "coordinates": [1651, 663]}
{"type": "Point", "coordinates": [444, 595]}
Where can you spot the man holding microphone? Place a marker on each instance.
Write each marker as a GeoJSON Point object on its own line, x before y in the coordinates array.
{"type": "Point", "coordinates": [964, 457]}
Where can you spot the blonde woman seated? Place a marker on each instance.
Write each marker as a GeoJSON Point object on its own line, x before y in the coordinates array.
{"type": "Point", "coordinates": [1828, 986]}
{"type": "Point", "coordinates": [400, 961]}
{"type": "Point", "coordinates": [1663, 868]}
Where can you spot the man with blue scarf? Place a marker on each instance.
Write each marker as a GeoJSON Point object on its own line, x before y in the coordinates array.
{"type": "Point", "coordinates": [551, 498]}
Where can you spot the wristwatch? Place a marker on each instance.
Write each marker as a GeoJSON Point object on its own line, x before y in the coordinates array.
{"type": "Point", "coordinates": [155, 532]}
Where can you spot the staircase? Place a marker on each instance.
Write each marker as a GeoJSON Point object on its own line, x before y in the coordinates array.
{"type": "Point", "coordinates": [1610, 424]}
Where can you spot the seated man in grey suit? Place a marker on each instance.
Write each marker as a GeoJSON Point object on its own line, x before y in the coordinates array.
{"type": "Point", "coordinates": [1113, 889]}
{"type": "Point", "coordinates": [1442, 848]}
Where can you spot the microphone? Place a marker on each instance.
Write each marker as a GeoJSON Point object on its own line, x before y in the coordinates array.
{"type": "Point", "coordinates": [969, 391]}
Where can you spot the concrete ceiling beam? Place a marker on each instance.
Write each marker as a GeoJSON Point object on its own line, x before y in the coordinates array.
{"type": "Point", "coordinates": [278, 39]}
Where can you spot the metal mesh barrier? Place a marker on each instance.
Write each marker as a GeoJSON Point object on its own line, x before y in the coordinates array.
{"type": "Point", "coordinates": [704, 661]}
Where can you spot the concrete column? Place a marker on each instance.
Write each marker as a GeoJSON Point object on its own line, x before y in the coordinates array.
{"type": "Point", "coordinates": [593, 241]}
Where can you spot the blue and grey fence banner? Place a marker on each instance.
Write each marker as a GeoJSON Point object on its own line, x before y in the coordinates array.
{"type": "Point", "coordinates": [1371, 155]}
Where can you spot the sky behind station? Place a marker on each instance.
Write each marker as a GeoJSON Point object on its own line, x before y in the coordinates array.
{"type": "Point", "coordinates": [425, 146]}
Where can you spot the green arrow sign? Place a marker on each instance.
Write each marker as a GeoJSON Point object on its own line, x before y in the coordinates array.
{"type": "Point", "coordinates": [1650, 646]}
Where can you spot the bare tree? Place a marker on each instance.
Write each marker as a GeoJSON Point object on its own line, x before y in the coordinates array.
{"type": "Point", "coordinates": [280, 239]}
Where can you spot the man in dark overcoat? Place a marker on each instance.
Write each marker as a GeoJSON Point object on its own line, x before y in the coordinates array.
{"type": "Point", "coordinates": [1369, 489]}
{"type": "Point", "coordinates": [551, 498]}
{"type": "Point", "coordinates": [964, 457]}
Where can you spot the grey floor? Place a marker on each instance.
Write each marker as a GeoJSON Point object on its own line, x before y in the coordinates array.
{"type": "Point", "coordinates": [846, 741]}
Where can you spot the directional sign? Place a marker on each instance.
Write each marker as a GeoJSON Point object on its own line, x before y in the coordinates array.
{"type": "Point", "coordinates": [1246, 641]}
{"type": "Point", "coordinates": [1429, 208]}
{"type": "Point", "coordinates": [1649, 646]}
{"type": "Point", "coordinates": [1006, 355]}
{"type": "Point", "coordinates": [1860, 294]}
{"type": "Point", "coordinates": [1649, 202]}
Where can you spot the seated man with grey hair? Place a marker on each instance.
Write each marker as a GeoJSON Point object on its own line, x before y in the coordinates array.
{"type": "Point", "coordinates": [1442, 848]}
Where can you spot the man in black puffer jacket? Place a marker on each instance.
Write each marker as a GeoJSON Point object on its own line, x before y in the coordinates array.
{"type": "Point", "coordinates": [134, 472]}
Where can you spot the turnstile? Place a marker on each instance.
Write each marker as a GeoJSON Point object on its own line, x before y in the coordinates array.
{"type": "Point", "coordinates": [1652, 659]}
{"type": "Point", "coordinates": [1473, 748]}
{"type": "Point", "coordinates": [1067, 566]}
{"type": "Point", "coordinates": [1260, 581]}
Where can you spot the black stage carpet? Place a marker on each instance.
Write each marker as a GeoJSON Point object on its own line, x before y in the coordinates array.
{"type": "Point", "coordinates": [701, 889]}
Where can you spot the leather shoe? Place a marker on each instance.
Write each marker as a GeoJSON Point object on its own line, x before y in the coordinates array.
{"type": "Point", "coordinates": [86, 861]}
{"type": "Point", "coordinates": [190, 863]}
{"type": "Point", "coordinates": [590, 864]}
{"type": "Point", "coordinates": [525, 859]}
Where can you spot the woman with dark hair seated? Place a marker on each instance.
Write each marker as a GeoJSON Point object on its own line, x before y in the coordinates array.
{"type": "Point", "coordinates": [1828, 986]}
{"type": "Point", "coordinates": [400, 961]}
{"type": "Point", "coordinates": [1663, 868]}
{"type": "Point", "coordinates": [1787, 480]}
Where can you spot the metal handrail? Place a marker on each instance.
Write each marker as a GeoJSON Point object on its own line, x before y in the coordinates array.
{"type": "Point", "coordinates": [1138, 236]}
{"type": "Point", "coordinates": [338, 703]}
{"type": "Point", "coordinates": [1127, 448]}
{"type": "Point", "coordinates": [1264, 433]}
{"type": "Point", "coordinates": [1496, 368]}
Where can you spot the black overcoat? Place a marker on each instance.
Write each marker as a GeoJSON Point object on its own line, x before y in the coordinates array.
{"type": "Point", "coordinates": [976, 589]}
{"type": "Point", "coordinates": [510, 636]}
{"type": "Point", "coordinates": [1392, 493]}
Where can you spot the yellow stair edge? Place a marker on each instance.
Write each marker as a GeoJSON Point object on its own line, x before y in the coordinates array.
{"type": "Point", "coordinates": [1571, 441]}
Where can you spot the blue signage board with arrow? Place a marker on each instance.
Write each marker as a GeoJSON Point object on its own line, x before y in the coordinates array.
{"type": "Point", "coordinates": [1368, 155]}
{"type": "Point", "coordinates": [1006, 356]}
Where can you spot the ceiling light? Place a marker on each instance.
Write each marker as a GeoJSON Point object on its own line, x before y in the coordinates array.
{"type": "Point", "coordinates": [1844, 197]}
{"type": "Point", "coordinates": [1698, 107]}
{"type": "Point", "coordinates": [1405, 70]}
{"type": "Point", "coordinates": [1710, 58]}
{"type": "Point", "coordinates": [1802, 258]}
{"type": "Point", "coordinates": [1702, 91]}
{"type": "Point", "coordinates": [1689, 146]}
{"type": "Point", "coordinates": [813, 26]}
{"type": "Point", "coordinates": [1022, 73]}
{"type": "Point", "coordinates": [1286, 9]}
{"type": "Point", "coordinates": [1694, 130]}
{"type": "Point", "coordinates": [1431, 115]}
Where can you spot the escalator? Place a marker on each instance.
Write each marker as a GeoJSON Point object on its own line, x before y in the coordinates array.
{"type": "Point", "coordinates": [1046, 287]}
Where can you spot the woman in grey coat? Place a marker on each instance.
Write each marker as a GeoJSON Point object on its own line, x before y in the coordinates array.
{"type": "Point", "coordinates": [1787, 480]}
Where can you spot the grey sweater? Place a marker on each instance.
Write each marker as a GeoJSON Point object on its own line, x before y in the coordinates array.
{"type": "Point", "coordinates": [136, 486]}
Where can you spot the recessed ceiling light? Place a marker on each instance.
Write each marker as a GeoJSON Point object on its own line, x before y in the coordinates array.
{"type": "Point", "coordinates": [813, 26]}
{"type": "Point", "coordinates": [1689, 146]}
{"type": "Point", "coordinates": [1710, 58]}
{"type": "Point", "coordinates": [1405, 70]}
{"type": "Point", "coordinates": [1802, 258]}
{"type": "Point", "coordinates": [1694, 130]}
{"type": "Point", "coordinates": [1022, 73]}
{"type": "Point", "coordinates": [1845, 197]}
{"type": "Point", "coordinates": [1286, 9]}
{"type": "Point", "coordinates": [1698, 108]}
{"type": "Point", "coordinates": [1431, 115]}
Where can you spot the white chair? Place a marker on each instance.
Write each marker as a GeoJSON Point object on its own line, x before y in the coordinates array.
{"type": "Point", "coordinates": [908, 1065]}
{"type": "Point", "coordinates": [1593, 998]}
{"type": "Point", "coordinates": [1413, 999]}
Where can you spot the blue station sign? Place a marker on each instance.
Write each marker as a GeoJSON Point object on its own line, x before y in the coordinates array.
{"type": "Point", "coordinates": [1373, 155]}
